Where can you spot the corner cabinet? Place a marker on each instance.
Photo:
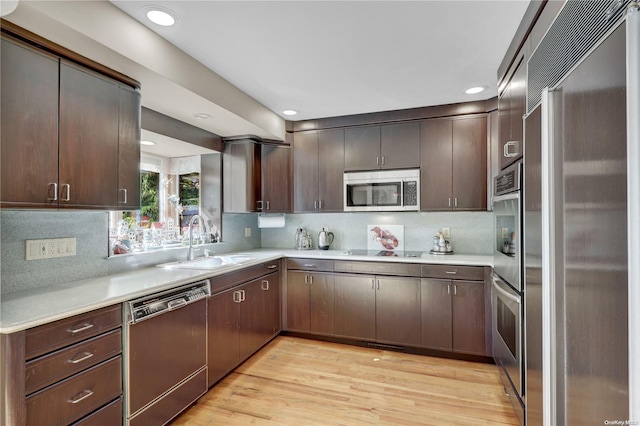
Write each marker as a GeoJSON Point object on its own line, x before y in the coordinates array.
{"type": "Point", "coordinates": [390, 146]}
{"type": "Point", "coordinates": [453, 164]}
{"type": "Point", "coordinates": [63, 127]}
{"type": "Point", "coordinates": [256, 177]}
{"type": "Point", "coordinates": [511, 108]}
{"type": "Point", "coordinates": [318, 168]}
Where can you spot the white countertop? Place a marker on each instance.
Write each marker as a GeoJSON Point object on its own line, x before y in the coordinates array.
{"type": "Point", "coordinates": [30, 308]}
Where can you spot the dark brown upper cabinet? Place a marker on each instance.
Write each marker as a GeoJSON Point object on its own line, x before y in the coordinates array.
{"type": "Point", "coordinates": [88, 163]}
{"type": "Point", "coordinates": [390, 146]}
{"type": "Point", "coordinates": [511, 109]}
{"type": "Point", "coordinates": [318, 167]}
{"type": "Point", "coordinates": [29, 126]}
{"type": "Point", "coordinates": [453, 164]}
{"type": "Point", "coordinates": [256, 177]}
{"type": "Point", "coordinates": [129, 149]}
{"type": "Point", "coordinates": [62, 128]}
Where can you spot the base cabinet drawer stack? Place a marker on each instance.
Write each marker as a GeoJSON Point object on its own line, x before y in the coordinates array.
{"type": "Point", "coordinates": [73, 370]}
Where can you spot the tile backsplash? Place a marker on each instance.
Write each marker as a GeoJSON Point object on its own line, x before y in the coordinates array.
{"type": "Point", "coordinates": [90, 228]}
{"type": "Point", "coordinates": [471, 233]}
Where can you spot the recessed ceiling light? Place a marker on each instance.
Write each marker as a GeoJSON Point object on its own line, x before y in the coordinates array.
{"type": "Point", "coordinates": [474, 90]}
{"type": "Point", "coordinates": [147, 143]}
{"type": "Point", "coordinates": [289, 112]}
{"type": "Point", "coordinates": [161, 17]}
{"type": "Point", "coordinates": [202, 116]}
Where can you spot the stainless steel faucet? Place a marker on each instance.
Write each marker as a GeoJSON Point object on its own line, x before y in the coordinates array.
{"type": "Point", "coordinates": [202, 223]}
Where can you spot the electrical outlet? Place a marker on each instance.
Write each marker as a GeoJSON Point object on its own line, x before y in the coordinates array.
{"type": "Point", "coordinates": [446, 232]}
{"type": "Point", "coordinates": [46, 249]}
{"type": "Point", "coordinates": [247, 231]}
{"type": "Point", "coordinates": [505, 232]}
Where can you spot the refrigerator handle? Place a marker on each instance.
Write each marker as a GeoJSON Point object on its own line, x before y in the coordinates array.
{"type": "Point", "coordinates": [633, 202]}
{"type": "Point", "coordinates": [548, 255]}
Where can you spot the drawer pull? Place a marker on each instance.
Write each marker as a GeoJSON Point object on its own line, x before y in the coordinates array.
{"type": "Point", "coordinates": [310, 265]}
{"type": "Point", "coordinates": [80, 357]}
{"type": "Point", "coordinates": [81, 396]}
{"type": "Point", "coordinates": [451, 272]}
{"type": "Point", "coordinates": [272, 267]}
{"type": "Point", "coordinates": [83, 327]}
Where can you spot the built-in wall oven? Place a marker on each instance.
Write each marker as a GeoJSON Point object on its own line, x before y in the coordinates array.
{"type": "Point", "coordinates": [507, 289]}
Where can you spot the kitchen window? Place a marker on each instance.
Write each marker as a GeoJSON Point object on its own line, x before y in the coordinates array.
{"type": "Point", "coordinates": [170, 196]}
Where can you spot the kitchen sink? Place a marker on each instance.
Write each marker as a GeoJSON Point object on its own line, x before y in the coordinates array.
{"type": "Point", "coordinates": [213, 262]}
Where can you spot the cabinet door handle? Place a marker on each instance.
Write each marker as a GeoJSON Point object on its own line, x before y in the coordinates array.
{"type": "Point", "coordinates": [455, 290]}
{"type": "Point", "coordinates": [81, 396]}
{"type": "Point", "coordinates": [267, 204]}
{"type": "Point", "coordinates": [382, 160]}
{"type": "Point", "coordinates": [373, 283]}
{"type": "Point", "coordinates": [68, 197]}
{"type": "Point", "coordinates": [455, 202]}
{"type": "Point", "coordinates": [448, 288]}
{"type": "Point", "coordinates": [377, 161]}
{"type": "Point", "coordinates": [124, 190]}
{"type": "Point", "coordinates": [315, 204]}
{"type": "Point", "coordinates": [449, 201]}
{"type": "Point", "coordinates": [55, 191]}
{"type": "Point", "coordinates": [236, 296]}
{"type": "Point", "coordinates": [306, 279]}
{"type": "Point", "coordinates": [259, 204]}
{"type": "Point", "coordinates": [244, 295]}
{"type": "Point", "coordinates": [320, 204]}
{"type": "Point", "coordinates": [507, 152]}
{"type": "Point", "coordinates": [265, 285]}
{"type": "Point", "coordinates": [80, 357]}
{"type": "Point", "coordinates": [83, 327]}
{"type": "Point", "coordinates": [310, 279]}
{"type": "Point", "coordinates": [378, 284]}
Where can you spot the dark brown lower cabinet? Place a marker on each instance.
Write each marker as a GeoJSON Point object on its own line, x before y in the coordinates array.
{"type": "Point", "coordinates": [384, 309]}
{"type": "Point", "coordinates": [310, 302]}
{"type": "Point", "coordinates": [453, 317]}
{"type": "Point", "coordinates": [398, 310]}
{"type": "Point", "coordinates": [355, 306]}
{"type": "Point", "coordinates": [241, 320]}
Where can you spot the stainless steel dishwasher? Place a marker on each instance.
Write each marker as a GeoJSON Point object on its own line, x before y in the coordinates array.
{"type": "Point", "coordinates": [165, 347]}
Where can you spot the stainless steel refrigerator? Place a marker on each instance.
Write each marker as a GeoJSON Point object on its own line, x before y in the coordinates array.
{"type": "Point", "coordinates": [577, 257]}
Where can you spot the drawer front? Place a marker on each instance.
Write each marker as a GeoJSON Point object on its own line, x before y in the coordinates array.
{"type": "Point", "coordinates": [223, 282]}
{"type": "Point", "coordinates": [310, 264]}
{"type": "Point", "coordinates": [46, 370]}
{"type": "Point", "coordinates": [49, 337]}
{"type": "Point", "coordinates": [109, 415]}
{"type": "Point", "coordinates": [77, 396]}
{"type": "Point", "coordinates": [453, 272]}
{"type": "Point", "coordinates": [379, 268]}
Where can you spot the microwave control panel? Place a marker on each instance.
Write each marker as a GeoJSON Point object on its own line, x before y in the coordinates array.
{"type": "Point", "coordinates": [410, 193]}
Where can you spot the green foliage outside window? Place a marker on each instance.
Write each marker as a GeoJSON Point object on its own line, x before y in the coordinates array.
{"type": "Point", "coordinates": [149, 188]}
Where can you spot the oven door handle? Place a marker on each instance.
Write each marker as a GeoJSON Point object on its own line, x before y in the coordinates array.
{"type": "Point", "coordinates": [504, 292]}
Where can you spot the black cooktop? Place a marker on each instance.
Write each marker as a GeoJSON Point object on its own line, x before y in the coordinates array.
{"type": "Point", "coordinates": [385, 253]}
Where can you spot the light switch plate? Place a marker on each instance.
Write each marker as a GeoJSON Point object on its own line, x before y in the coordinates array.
{"type": "Point", "coordinates": [47, 249]}
{"type": "Point", "coordinates": [446, 232]}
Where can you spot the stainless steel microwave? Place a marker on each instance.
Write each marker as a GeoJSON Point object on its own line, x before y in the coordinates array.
{"type": "Point", "coordinates": [385, 190]}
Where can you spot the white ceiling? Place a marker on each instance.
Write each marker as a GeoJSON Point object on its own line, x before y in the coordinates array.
{"type": "Point", "coordinates": [331, 58]}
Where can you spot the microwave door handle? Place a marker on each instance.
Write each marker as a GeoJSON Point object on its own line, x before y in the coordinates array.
{"type": "Point", "coordinates": [503, 292]}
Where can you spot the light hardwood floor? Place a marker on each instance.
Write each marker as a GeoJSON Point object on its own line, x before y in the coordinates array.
{"type": "Point", "coordinates": [294, 381]}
